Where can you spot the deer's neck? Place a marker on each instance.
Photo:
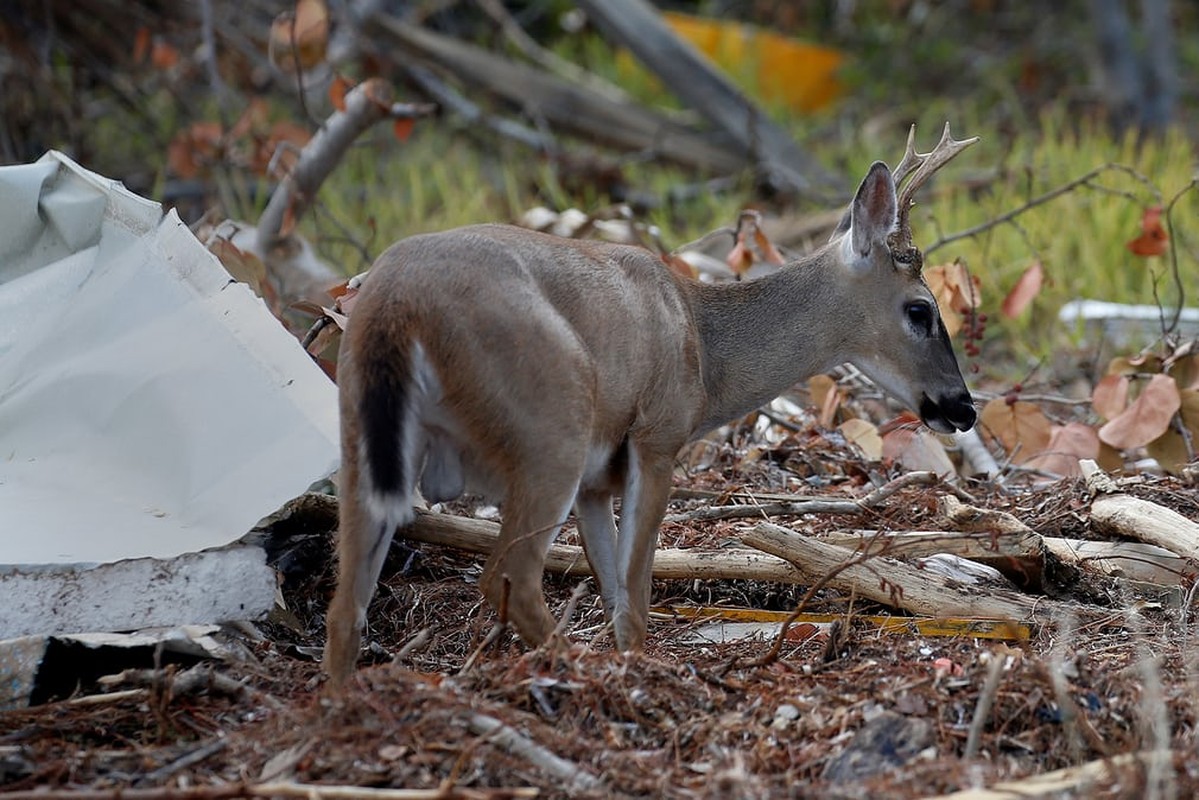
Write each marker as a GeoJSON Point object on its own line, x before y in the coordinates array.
{"type": "Point", "coordinates": [758, 338]}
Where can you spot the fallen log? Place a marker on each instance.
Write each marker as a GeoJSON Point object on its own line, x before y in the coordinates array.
{"type": "Point", "coordinates": [695, 80]}
{"type": "Point", "coordinates": [1146, 521]}
{"type": "Point", "coordinates": [1084, 780]}
{"type": "Point", "coordinates": [564, 105]}
{"type": "Point", "coordinates": [1113, 512]}
{"type": "Point", "coordinates": [479, 536]}
{"type": "Point", "coordinates": [900, 585]}
{"type": "Point", "coordinates": [983, 546]}
{"type": "Point", "coordinates": [1135, 561]}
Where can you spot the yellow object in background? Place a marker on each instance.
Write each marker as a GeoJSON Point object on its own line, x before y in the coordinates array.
{"type": "Point", "coordinates": [780, 70]}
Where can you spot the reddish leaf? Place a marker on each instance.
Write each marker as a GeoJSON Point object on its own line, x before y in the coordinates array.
{"type": "Point", "coordinates": [337, 91]}
{"type": "Point", "coordinates": [1147, 418]}
{"type": "Point", "coordinates": [403, 128]}
{"type": "Point", "coordinates": [801, 632]}
{"type": "Point", "coordinates": [195, 148]}
{"type": "Point", "coordinates": [740, 258]}
{"type": "Point", "coordinates": [1067, 444]}
{"type": "Point", "coordinates": [905, 419]}
{"type": "Point", "coordinates": [280, 148]}
{"type": "Point", "coordinates": [141, 44]}
{"type": "Point", "coordinates": [1025, 290]}
{"type": "Point", "coordinates": [1110, 396]}
{"type": "Point", "coordinates": [1153, 238]}
{"type": "Point", "coordinates": [163, 56]}
{"type": "Point", "coordinates": [769, 252]}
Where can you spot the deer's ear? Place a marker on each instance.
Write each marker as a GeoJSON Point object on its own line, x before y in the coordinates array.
{"type": "Point", "coordinates": [873, 213]}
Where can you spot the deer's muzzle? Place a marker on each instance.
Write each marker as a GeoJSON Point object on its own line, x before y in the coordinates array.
{"type": "Point", "coordinates": [948, 413]}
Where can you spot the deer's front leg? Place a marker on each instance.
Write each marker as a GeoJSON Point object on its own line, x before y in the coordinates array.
{"type": "Point", "coordinates": [647, 490]}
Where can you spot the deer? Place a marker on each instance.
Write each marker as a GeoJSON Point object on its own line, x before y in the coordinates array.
{"type": "Point", "coordinates": [554, 374]}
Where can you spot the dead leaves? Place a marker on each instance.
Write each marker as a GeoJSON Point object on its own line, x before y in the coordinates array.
{"type": "Point", "coordinates": [957, 292]}
{"type": "Point", "coordinates": [752, 245]}
{"type": "Point", "coordinates": [253, 143]}
{"type": "Point", "coordinates": [299, 38]}
{"type": "Point", "coordinates": [1153, 241]}
{"type": "Point", "coordinates": [1148, 402]}
{"type": "Point", "coordinates": [1025, 291]}
{"type": "Point", "coordinates": [1147, 418]}
{"type": "Point", "coordinates": [1022, 429]}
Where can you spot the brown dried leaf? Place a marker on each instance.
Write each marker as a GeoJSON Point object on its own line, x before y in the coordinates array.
{"type": "Point", "coordinates": [917, 450]}
{"type": "Point", "coordinates": [769, 252]}
{"type": "Point", "coordinates": [1025, 291]}
{"type": "Point", "coordinates": [957, 293]}
{"type": "Point", "coordinates": [1147, 418]}
{"type": "Point", "coordinates": [1067, 444]}
{"type": "Point", "coordinates": [865, 436]}
{"type": "Point", "coordinates": [826, 396]}
{"type": "Point", "coordinates": [1145, 363]}
{"type": "Point", "coordinates": [337, 91]}
{"type": "Point", "coordinates": [740, 258]}
{"type": "Point", "coordinates": [195, 148]}
{"type": "Point", "coordinates": [1170, 451]}
{"type": "Point", "coordinates": [1022, 428]}
{"type": "Point", "coordinates": [1184, 369]}
{"type": "Point", "coordinates": [299, 39]}
{"type": "Point", "coordinates": [1189, 411]}
{"type": "Point", "coordinates": [1110, 396]}
{"type": "Point", "coordinates": [241, 265]}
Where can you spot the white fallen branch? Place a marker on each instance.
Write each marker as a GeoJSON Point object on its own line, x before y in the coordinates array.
{"type": "Point", "coordinates": [1123, 515]}
{"type": "Point", "coordinates": [1080, 781]}
{"type": "Point", "coordinates": [1146, 521]}
{"type": "Point", "coordinates": [982, 546]}
{"type": "Point", "coordinates": [479, 536]}
{"type": "Point", "coordinates": [1134, 561]}
{"type": "Point", "coordinates": [897, 584]}
{"type": "Point", "coordinates": [576, 778]}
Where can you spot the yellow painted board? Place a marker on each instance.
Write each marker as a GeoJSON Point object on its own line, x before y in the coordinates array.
{"type": "Point", "coordinates": [925, 626]}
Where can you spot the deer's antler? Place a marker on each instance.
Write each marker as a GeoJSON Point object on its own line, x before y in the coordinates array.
{"type": "Point", "coordinates": [921, 167]}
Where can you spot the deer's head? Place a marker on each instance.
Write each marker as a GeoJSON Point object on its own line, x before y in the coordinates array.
{"type": "Point", "coordinates": [896, 336]}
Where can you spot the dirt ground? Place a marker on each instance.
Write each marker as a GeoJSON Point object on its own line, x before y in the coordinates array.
{"type": "Point", "coordinates": [847, 710]}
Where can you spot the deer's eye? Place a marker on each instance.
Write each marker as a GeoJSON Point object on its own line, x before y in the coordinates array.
{"type": "Point", "coordinates": [920, 316]}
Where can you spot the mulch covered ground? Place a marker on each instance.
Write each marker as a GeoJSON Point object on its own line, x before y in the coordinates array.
{"type": "Point", "coordinates": [841, 711]}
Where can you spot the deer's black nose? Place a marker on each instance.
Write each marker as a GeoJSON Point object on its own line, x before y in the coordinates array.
{"type": "Point", "coordinates": [948, 414]}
